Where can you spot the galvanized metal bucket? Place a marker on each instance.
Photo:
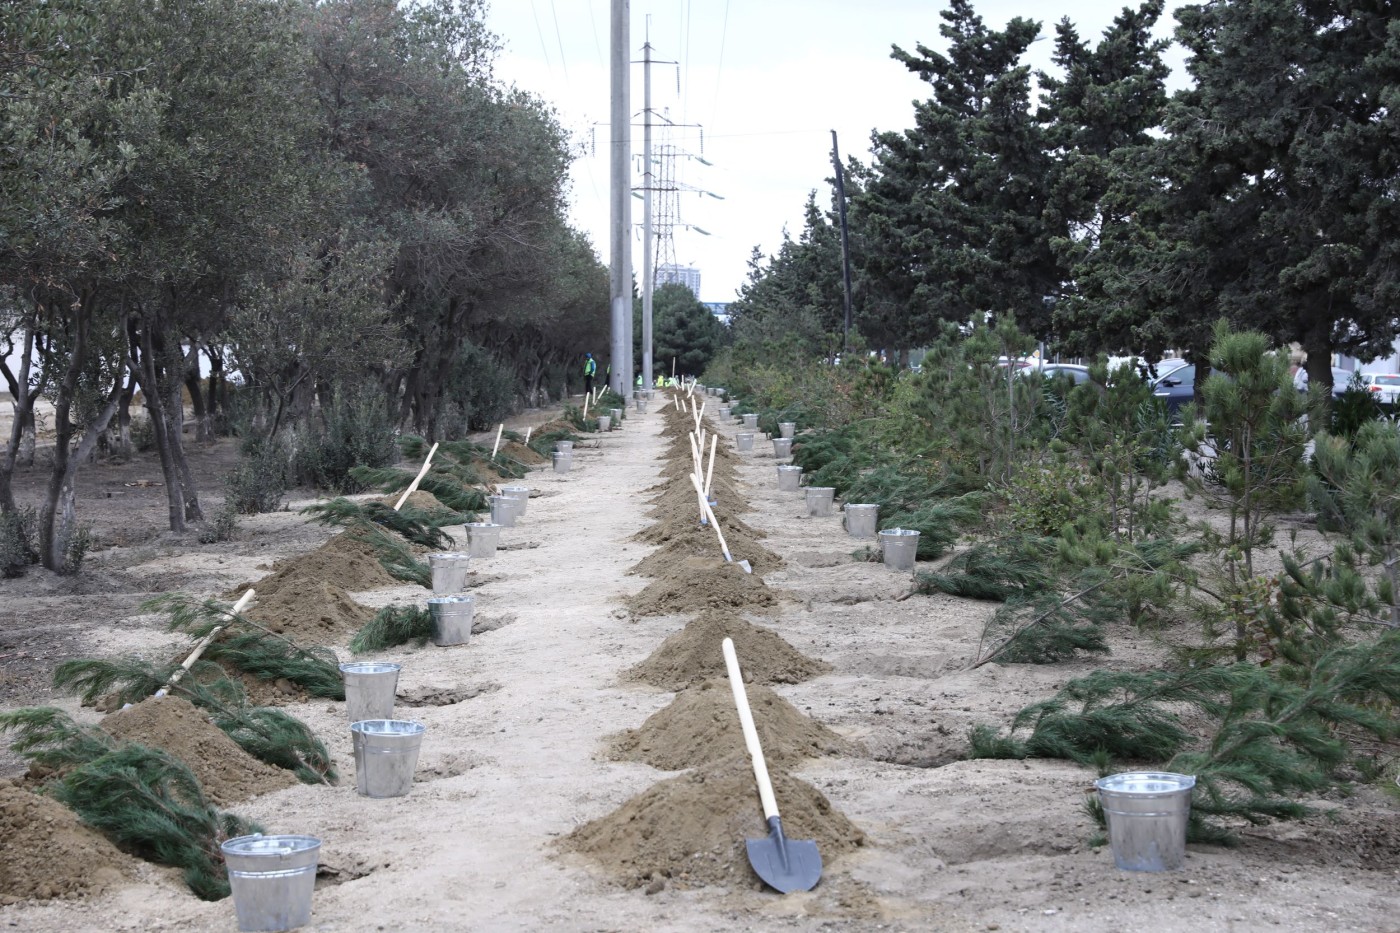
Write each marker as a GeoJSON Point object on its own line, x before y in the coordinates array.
{"type": "Point", "coordinates": [787, 428]}
{"type": "Point", "coordinates": [452, 618]}
{"type": "Point", "coordinates": [616, 418]}
{"type": "Point", "coordinates": [563, 461]}
{"type": "Point", "coordinates": [504, 510]}
{"type": "Point", "coordinates": [563, 447]}
{"type": "Point", "coordinates": [449, 573]}
{"type": "Point", "coordinates": [724, 413]}
{"type": "Point", "coordinates": [482, 538]}
{"type": "Point", "coordinates": [641, 404]}
{"type": "Point", "coordinates": [743, 441]}
{"type": "Point", "coordinates": [520, 494]}
{"type": "Point", "coordinates": [819, 500]}
{"type": "Point", "coordinates": [604, 423]}
{"type": "Point", "coordinates": [900, 547]}
{"type": "Point", "coordinates": [370, 688]}
{"type": "Point", "coordinates": [1147, 813]}
{"type": "Point", "coordinates": [386, 755]}
{"type": "Point", "coordinates": [750, 421]}
{"type": "Point", "coordinates": [272, 878]}
{"type": "Point", "coordinates": [862, 519]}
{"type": "Point", "coordinates": [789, 478]}
{"type": "Point", "coordinates": [782, 447]}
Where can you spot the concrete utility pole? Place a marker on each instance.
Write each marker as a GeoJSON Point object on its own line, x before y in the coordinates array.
{"type": "Point", "coordinates": [845, 242]}
{"type": "Point", "coordinates": [621, 202]}
{"type": "Point", "coordinates": [648, 268]}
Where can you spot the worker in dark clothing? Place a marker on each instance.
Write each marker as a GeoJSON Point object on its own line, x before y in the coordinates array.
{"type": "Point", "coordinates": [590, 369]}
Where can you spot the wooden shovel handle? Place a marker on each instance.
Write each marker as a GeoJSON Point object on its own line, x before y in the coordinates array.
{"type": "Point", "coordinates": [204, 642]}
{"type": "Point", "coordinates": [741, 700]}
{"type": "Point", "coordinates": [416, 480]}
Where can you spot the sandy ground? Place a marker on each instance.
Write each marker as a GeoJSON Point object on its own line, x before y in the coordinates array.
{"type": "Point", "coordinates": [954, 845]}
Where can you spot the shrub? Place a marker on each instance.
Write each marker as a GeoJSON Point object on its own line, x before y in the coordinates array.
{"type": "Point", "coordinates": [257, 483]}
{"type": "Point", "coordinates": [359, 431]}
{"type": "Point", "coordinates": [223, 526]}
{"type": "Point", "coordinates": [17, 542]}
{"type": "Point", "coordinates": [480, 391]}
{"type": "Point", "coordinates": [143, 434]}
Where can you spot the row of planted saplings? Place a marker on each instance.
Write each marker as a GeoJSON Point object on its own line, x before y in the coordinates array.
{"type": "Point", "coordinates": [898, 546]}
{"type": "Point", "coordinates": [1147, 812]}
{"type": "Point", "coordinates": [273, 877]}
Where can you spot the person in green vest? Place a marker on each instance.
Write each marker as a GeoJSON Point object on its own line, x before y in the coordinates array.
{"type": "Point", "coordinates": [660, 381]}
{"type": "Point", "coordinates": [639, 380]}
{"type": "Point", "coordinates": [590, 369]}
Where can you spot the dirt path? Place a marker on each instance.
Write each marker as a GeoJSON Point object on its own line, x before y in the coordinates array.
{"type": "Point", "coordinates": [953, 845]}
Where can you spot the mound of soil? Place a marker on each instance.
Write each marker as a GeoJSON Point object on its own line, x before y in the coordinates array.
{"type": "Point", "coordinates": [681, 539]}
{"type": "Point", "coordinates": [551, 426]}
{"type": "Point", "coordinates": [693, 655]}
{"type": "Point", "coordinates": [227, 773]}
{"type": "Point", "coordinates": [693, 583]}
{"type": "Point", "coordinates": [49, 852]}
{"type": "Point", "coordinates": [314, 613]}
{"type": "Point", "coordinates": [690, 829]}
{"type": "Point", "coordinates": [518, 451]}
{"type": "Point", "coordinates": [344, 561]}
{"type": "Point", "coordinates": [701, 726]}
{"type": "Point", "coordinates": [417, 499]}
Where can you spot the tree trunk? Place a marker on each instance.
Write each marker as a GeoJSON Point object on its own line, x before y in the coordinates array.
{"type": "Point", "coordinates": [160, 428]}
{"type": "Point", "coordinates": [1317, 345]}
{"type": "Point", "coordinates": [176, 411]}
{"type": "Point", "coordinates": [203, 429]}
{"type": "Point", "coordinates": [218, 388]}
{"type": "Point", "coordinates": [58, 518]}
{"type": "Point", "coordinates": [123, 445]}
{"type": "Point", "coordinates": [21, 426]}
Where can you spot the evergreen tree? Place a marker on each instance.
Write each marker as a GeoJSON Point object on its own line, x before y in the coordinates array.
{"type": "Point", "coordinates": [951, 216]}
{"type": "Point", "coordinates": [1247, 448]}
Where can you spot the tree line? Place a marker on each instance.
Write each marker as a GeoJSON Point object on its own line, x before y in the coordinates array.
{"type": "Point", "coordinates": [329, 199]}
{"type": "Point", "coordinates": [1109, 215]}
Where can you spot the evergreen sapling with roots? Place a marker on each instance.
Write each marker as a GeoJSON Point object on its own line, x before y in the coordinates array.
{"type": "Point", "coordinates": [144, 800]}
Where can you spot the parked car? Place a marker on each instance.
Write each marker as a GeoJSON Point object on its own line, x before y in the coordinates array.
{"type": "Point", "coordinates": [1076, 374]}
{"type": "Point", "coordinates": [1177, 388]}
{"type": "Point", "coordinates": [1385, 386]}
{"type": "Point", "coordinates": [1341, 378]}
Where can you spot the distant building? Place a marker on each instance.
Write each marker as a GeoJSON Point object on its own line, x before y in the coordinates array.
{"type": "Point", "coordinates": [720, 309]}
{"type": "Point", "coordinates": [689, 276]}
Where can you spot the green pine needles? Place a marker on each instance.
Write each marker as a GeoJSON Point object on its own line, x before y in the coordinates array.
{"type": "Point", "coordinates": [1262, 736]}
{"type": "Point", "coordinates": [270, 735]}
{"type": "Point", "coordinates": [246, 646]}
{"type": "Point", "coordinates": [392, 626]}
{"type": "Point", "coordinates": [144, 800]}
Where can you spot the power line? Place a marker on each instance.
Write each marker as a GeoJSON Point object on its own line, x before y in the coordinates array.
{"type": "Point", "coordinates": [540, 32]}
{"type": "Point", "coordinates": [719, 71]}
{"type": "Point", "coordinates": [685, 97]}
{"type": "Point", "coordinates": [560, 39]}
{"type": "Point", "coordinates": [598, 46]}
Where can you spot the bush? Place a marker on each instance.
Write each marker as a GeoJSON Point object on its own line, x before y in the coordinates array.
{"type": "Point", "coordinates": [143, 434]}
{"type": "Point", "coordinates": [257, 483]}
{"type": "Point", "coordinates": [480, 392]}
{"type": "Point", "coordinates": [1044, 500]}
{"type": "Point", "coordinates": [78, 546]}
{"type": "Point", "coordinates": [223, 526]}
{"type": "Point", "coordinates": [18, 548]}
{"type": "Point", "coordinates": [359, 431]}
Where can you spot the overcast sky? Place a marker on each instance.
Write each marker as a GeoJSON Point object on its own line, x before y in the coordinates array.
{"type": "Point", "coordinates": [767, 79]}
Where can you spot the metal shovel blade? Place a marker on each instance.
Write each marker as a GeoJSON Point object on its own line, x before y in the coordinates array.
{"type": "Point", "coordinates": [785, 864]}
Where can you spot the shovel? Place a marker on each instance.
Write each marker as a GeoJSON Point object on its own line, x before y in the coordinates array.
{"type": "Point", "coordinates": [784, 864]}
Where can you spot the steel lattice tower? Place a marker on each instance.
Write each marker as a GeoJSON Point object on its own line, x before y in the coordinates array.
{"type": "Point", "coordinates": [668, 209]}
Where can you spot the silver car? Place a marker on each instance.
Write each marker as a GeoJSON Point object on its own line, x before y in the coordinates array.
{"type": "Point", "coordinates": [1385, 386]}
